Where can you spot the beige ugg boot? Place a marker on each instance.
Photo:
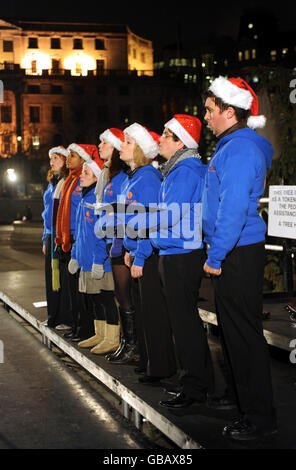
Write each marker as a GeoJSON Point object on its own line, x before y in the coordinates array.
{"type": "Point", "coordinates": [110, 342]}
{"type": "Point", "coordinates": [100, 326]}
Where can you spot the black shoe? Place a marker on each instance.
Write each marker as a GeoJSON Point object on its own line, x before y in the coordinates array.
{"type": "Point", "coordinates": [140, 370]}
{"type": "Point", "coordinates": [69, 334]}
{"type": "Point", "coordinates": [172, 391]}
{"type": "Point", "coordinates": [180, 401]}
{"type": "Point", "coordinates": [149, 379]}
{"type": "Point", "coordinates": [221, 403]}
{"type": "Point", "coordinates": [243, 430]}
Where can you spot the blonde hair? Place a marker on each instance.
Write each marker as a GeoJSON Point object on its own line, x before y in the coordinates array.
{"type": "Point", "coordinates": [139, 157]}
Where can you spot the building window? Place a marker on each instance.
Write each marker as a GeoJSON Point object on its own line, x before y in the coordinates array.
{"type": "Point", "coordinates": [240, 56]}
{"type": "Point", "coordinates": [273, 55]}
{"type": "Point", "coordinates": [56, 89]}
{"type": "Point", "coordinates": [57, 114]}
{"type": "Point", "coordinates": [253, 53]}
{"type": "Point", "coordinates": [100, 66]}
{"type": "Point", "coordinates": [6, 114]}
{"type": "Point", "coordinates": [78, 68]}
{"type": "Point", "coordinates": [77, 44]}
{"type": "Point", "coordinates": [99, 44]}
{"type": "Point", "coordinates": [35, 142]}
{"type": "Point", "coordinates": [33, 43]}
{"type": "Point", "coordinates": [6, 144]}
{"type": "Point", "coordinates": [55, 65]}
{"type": "Point", "coordinates": [7, 46]}
{"type": "Point", "coordinates": [143, 57]}
{"type": "Point", "coordinates": [55, 43]}
{"type": "Point", "coordinates": [247, 54]}
{"type": "Point", "coordinates": [34, 113]}
{"type": "Point", "coordinates": [34, 66]}
{"type": "Point", "coordinates": [34, 89]}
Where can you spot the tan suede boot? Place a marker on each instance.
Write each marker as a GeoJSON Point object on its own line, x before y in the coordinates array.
{"type": "Point", "coordinates": [110, 342]}
{"type": "Point", "coordinates": [100, 326]}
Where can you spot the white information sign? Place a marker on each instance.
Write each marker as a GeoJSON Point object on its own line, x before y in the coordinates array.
{"type": "Point", "coordinates": [282, 211]}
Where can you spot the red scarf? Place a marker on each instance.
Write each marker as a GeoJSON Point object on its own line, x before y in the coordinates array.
{"type": "Point", "coordinates": [64, 211]}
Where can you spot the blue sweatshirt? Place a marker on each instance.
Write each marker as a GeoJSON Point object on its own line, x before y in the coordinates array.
{"type": "Point", "coordinates": [87, 249]}
{"type": "Point", "coordinates": [234, 183]}
{"type": "Point", "coordinates": [179, 229]}
{"type": "Point", "coordinates": [113, 189]}
{"type": "Point", "coordinates": [47, 213]}
{"type": "Point", "coordinates": [143, 188]}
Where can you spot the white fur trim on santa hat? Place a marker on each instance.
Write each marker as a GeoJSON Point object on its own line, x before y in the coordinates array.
{"type": "Point", "coordinates": [174, 126]}
{"type": "Point", "coordinates": [59, 150]}
{"type": "Point", "coordinates": [81, 152]}
{"type": "Point", "coordinates": [144, 140]}
{"type": "Point", "coordinates": [111, 138]}
{"type": "Point", "coordinates": [256, 122]}
{"type": "Point", "coordinates": [94, 167]}
{"type": "Point", "coordinates": [231, 94]}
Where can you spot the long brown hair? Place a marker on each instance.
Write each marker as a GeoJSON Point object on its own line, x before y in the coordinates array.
{"type": "Point", "coordinates": [63, 171]}
{"type": "Point", "coordinates": [115, 165]}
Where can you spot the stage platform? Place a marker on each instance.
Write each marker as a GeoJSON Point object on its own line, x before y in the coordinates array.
{"type": "Point", "coordinates": [196, 427]}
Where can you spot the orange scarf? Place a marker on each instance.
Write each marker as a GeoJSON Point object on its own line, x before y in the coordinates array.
{"type": "Point", "coordinates": [63, 235]}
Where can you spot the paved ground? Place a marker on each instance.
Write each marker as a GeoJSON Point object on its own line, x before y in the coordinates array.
{"type": "Point", "coordinates": [46, 404]}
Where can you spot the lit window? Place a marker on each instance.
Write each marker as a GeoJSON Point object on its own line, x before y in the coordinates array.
{"type": "Point", "coordinates": [253, 53]}
{"type": "Point", "coordinates": [35, 142]}
{"type": "Point", "coordinates": [247, 54]}
{"type": "Point", "coordinates": [240, 56]}
{"type": "Point", "coordinates": [273, 55]}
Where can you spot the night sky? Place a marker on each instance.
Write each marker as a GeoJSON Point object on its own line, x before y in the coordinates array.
{"type": "Point", "coordinates": [156, 20]}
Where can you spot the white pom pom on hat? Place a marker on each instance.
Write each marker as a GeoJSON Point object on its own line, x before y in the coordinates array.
{"type": "Point", "coordinates": [237, 92]}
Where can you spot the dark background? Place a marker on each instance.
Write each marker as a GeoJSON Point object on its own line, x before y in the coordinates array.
{"type": "Point", "coordinates": [163, 22]}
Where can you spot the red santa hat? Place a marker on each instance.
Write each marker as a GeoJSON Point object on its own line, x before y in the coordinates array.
{"type": "Point", "coordinates": [90, 154]}
{"type": "Point", "coordinates": [146, 140]}
{"type": "Point", "coordinates": [114, 136]}
{"type": "Point", "coordinates": [187, 128]}
{"type": "Point", "coordinates": [237, 92]}
{"type": "Point", "coordinates": [60, 150]}
{"type": "Point", "coordinates": [85, 151]}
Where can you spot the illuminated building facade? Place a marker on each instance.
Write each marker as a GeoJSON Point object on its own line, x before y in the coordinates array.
{"type": "Point", "coordinates": [66, 82]}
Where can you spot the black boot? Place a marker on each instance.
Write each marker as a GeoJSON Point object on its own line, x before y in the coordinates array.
{"type": "Point", "coordinates": [127, 349]}
{"type": "Point", "coordinates": [122, 343]}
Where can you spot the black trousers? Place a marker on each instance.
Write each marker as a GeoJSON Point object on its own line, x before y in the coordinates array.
{"type": "Point", "coordinates": [58, 302]}
{"type": "Point", "coordinates": [181, 276]}
{"type": "Point", "coordinates": [72, 300]}
{"type": "Point", "coordinates": [238, 297]}
{"type": "Point", "coordinates": [156, 346]}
